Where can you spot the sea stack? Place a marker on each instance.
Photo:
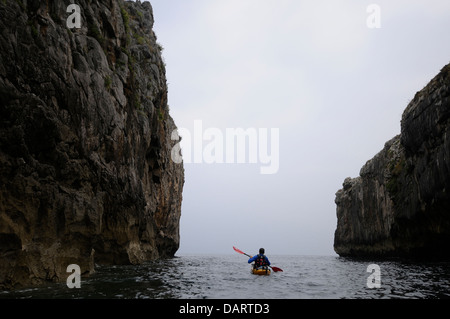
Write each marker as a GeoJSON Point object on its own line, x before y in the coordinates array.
{"type": "Point", "coordinates": [86, 175]}
{"type": "Point", "coordinates": [399, 206]}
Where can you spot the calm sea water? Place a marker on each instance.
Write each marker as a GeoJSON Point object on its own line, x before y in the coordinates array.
{"type": "Point", "coordinates": [229, 277]}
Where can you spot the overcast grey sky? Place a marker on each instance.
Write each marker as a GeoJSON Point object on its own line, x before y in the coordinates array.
{"type": "Point", "coordinates": [335, 89]}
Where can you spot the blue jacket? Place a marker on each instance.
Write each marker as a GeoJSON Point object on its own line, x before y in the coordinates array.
{"type": "Point", "coordinates": [256, 256]}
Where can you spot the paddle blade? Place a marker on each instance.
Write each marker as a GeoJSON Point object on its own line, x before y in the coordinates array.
{"type": "Point", "coordinates": [276, 269]}
{"type": "Point", "coordinates": [239, 251]}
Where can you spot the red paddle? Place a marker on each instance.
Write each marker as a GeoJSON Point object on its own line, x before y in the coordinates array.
{"type": "Point", "coordinates": [275, 269]}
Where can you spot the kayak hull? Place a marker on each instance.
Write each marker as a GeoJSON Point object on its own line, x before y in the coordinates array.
{"type": "Point", "coordinates": [261, 272]}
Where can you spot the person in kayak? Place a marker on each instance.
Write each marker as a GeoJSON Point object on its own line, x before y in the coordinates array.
{"type": "Point", "coordinates": [261, 261]}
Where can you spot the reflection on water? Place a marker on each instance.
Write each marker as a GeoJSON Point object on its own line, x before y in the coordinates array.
{"type": "Point", "coordinates": [229, 277]}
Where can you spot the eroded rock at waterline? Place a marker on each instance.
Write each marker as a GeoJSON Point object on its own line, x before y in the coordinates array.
{"type": "Point", "coordinates": [86, 174]}
{"type": "Point", "coordinates": [400, 204]}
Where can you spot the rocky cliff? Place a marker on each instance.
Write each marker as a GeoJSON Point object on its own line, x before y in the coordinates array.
{"type": "Point", "coordinates": [400, 204]}
{"type": "Point", "coordinates": [86, 174]}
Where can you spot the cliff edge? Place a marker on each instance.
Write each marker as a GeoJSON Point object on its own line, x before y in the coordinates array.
{"type": "Point", "coordinates": [399, 206]}
{"type": "Point", "coordinates": [86, 174]}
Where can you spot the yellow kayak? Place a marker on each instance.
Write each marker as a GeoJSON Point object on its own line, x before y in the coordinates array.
{"type": "Point", "coordinates": [261, 271]}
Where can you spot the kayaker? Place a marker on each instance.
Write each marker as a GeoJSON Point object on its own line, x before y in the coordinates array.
{"type": "Point", "coordinates": [260, 260]}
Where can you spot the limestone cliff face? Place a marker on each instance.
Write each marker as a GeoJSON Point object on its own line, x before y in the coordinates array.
{"type": "Point", "coordinates": [86, 174]}
{"type": "Point", "coordinates": [400, 204]}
